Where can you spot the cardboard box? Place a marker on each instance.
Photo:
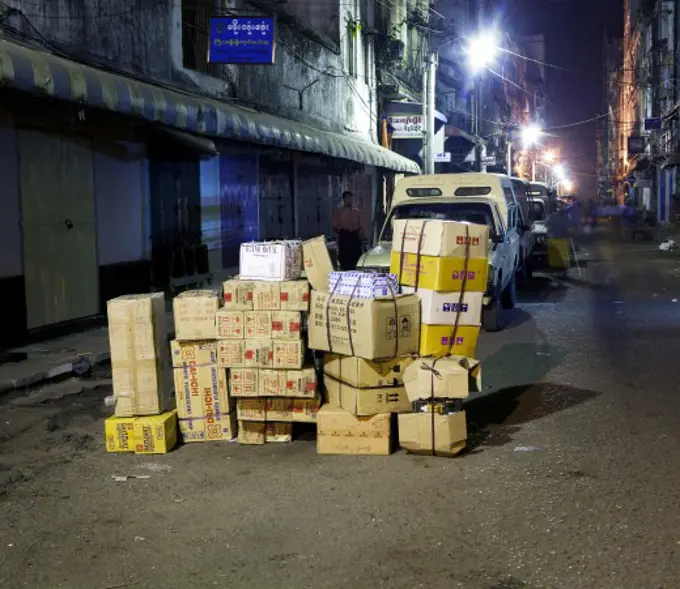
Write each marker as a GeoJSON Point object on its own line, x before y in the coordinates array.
{"type": "Point", "coordinates": [416, 433]}
{"type": "Point", "coordinates": [317, 263]}
{"type": "Point", "coordinates": [230, 324]}
{"type": "Point", "coordinates": [365, 374]}
{"type": "Point", "coordinates": [238, 294]}
{"type": "Point", "coordinates": [375, 329]}
{"type": "Point", "coordinates": [301, 383]}
{"type": "Point", "coordinates": [244, 382]}
{"type": "Point", "coordinates": [442, 274]}
{"type": "Point", "coordinates": [140, 358]}
{"type": "Point", "coordinates": [251, 432]}
{"type": "Point", "coordinates": [216, 428]}
{"type": "Point", "coordinates": [273, 260]}
{"type": "Point", "coordinates": [278, 409]}
{"type": "Point", "coordinates": [194, 312]}
{"type": "Point", "coordinates": [292, 295]}
{"type": "Point", "coordinates": [435, 340]}
{"type": "Point", "coordinates": [119, 433]}
{"type": "Point", "coordinates": [367, 401]}
{"type": "Point", "coordinates": [272, 383]}
{"type": "Point", "coordinates": [259, 353]}
{"type": "Point", "coordinates": [433, 237]}
{"type": "Point", "coordinates": [231, 353]}
{"type": "Point", "coordinates": [441, 308]}
{"type": "Point", "coordinates": [451, 377]}
{"type": "Point", "coordinates": [340, 432]}
{"type": "Point", "coordinates": [201, 391]}
{"type": "Point", "coordinates": [199, 353]}
{"type": "Point", "coordinates": [282, 325]}
{"type": "Point", "coordinates": [363, 285]}
{"type": "Point", "coordinates": [278, 432]}
{"type": "Point", "coordinates": [289, 355]}
{"type": "Point", "coordinates": [155, 434]}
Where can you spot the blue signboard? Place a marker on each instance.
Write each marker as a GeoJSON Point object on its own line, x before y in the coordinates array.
{"type": "Point", "coordinates": [242, 39]}
{"type": "Point", "coordinates": [653, 124]}
{"type": "Point", "coordinates": [636, 144]}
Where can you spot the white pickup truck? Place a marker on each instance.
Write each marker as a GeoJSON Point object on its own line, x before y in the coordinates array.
{"type": "Point", "coordinates": [486, 199]}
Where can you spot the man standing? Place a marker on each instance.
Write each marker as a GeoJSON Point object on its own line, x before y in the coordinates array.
{"type": "Point", "coordinates": [347, 226]}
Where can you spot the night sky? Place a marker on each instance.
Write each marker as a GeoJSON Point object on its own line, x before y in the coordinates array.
{"type": "Point", "coordinates": [574, 31]}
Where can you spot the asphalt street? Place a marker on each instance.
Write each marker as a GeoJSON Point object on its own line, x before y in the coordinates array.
{"type": "Point", "coordinates": [570, 481]}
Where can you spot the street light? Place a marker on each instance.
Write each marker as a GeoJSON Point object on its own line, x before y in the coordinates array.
{"type": "Point", "coordinates": [530, 135]}
{"type": "Point", "coordinates": [568, 185]}
{"type": "Point", "coordinates": [549, 156]}
{"type": "Point", "coordinates": [560, 172]}
{"type": "Point", "coordinates": [482, 50]}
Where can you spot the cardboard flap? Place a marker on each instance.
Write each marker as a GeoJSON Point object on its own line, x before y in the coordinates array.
{"type": "Point", "coordinates": [451, 377]}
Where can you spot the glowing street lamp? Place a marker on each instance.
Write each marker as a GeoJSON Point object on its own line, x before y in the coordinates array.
{"type": "Point", "coordinates": [530, 135]}
{"type": "Point", "coordinates": [482, 50]}
{"type": "Point", "coordinates": [568, 185]}
{"type": "Point", "coordinates": [560, 172]}
{"type": "Point", "coordinates": [549, 157]}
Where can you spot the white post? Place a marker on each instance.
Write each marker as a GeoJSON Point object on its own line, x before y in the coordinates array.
{"type": "Point", "coordinates": [508, 163]}
{"type": "Point", "coordinates": [432, 66]}
{"type": "Point", "coordinates": [426, 119]}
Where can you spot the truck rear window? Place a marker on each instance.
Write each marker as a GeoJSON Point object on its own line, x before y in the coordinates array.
{"type": "Point", "coordinates": [423, 192]}
{"type": "Point", "coordinates": [478, 213]}
{"type": "Point", "coordinates": [472, 191]}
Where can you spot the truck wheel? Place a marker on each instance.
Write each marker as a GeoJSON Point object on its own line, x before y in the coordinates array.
{"type": "Point", "coordinates": [492, 314]}
{"type": "Point", "coordinates": [509, 298]}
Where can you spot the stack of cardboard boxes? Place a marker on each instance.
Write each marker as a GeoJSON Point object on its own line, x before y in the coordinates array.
{"type": "Point", "coordinates": [140, 369]}
{"type": "Point", "coordinates": [260, 340]}
{"type": "Point", "coordinates": [205, 409]}
{"type": "Point", "coordinates": [446, 264]}
{"type": "Point", "coordinates": [369, 334]}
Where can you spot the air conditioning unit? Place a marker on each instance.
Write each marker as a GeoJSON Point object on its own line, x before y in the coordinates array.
{"type": "Point", "coordinates": [396, 49]}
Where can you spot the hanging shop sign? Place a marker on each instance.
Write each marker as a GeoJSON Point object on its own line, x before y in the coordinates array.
{"type": "Point", "coordinates": [406, 126]}
{"type": "Point", "coordinates": [653, 124]}
{"type": "Point", "coordinates": [636, 144]}
{"type": "Point", "coordinates": [242, 39]}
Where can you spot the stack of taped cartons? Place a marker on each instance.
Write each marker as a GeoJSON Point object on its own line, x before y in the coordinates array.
{"type": "Point", "coordinates": [206, 412]}
{"type": "Point", "coordinates": [369, 333]}
{"type": "Point", "coordinates": [140, 370]}
{"type": "Point", "coordinates": [260, 341]}
{"type": "Point", "coordinates": [446, 264]}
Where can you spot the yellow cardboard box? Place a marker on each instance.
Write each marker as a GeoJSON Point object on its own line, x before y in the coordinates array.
{"type": "Point", "coordinates": [155, 434]}
{"type": "Point", "coordinates": [212, 428]}
{"type": "Point", "coordinates": [378, 329]}
{"type": "Point", "coordinates": [365, 374]}
{"type": "Point", "coordinates": [416, 433]}
{"type": "Point", "coordinates": [119, 432]}
{"type": "Point", "coordinates": [367, 401]}
{"type": "Point", "coordinates": [435, 339]}
{"type": "Point", "coordinates": [442, 274]}
{"type": "Point", "coordinates": [340, 432]}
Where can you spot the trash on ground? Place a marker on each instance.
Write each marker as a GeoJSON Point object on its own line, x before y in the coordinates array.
{"type": "Point", "coordinates": [127, 477]}
{"type": "Point", "coordinates": [668, 245]}
{"type": "Point", "coordinates": [525, 449]}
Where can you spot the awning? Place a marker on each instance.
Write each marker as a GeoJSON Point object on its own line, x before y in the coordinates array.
{"type": "Point", "coordinates": [672, 161]}
{"type": "Point", "coordinates": [45, 74]}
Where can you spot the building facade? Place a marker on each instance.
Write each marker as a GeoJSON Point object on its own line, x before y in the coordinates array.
{"type": "Point", "coordinates": [131, 163]}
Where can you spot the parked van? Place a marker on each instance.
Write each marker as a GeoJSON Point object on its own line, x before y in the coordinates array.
{"type": "Point", "coordinates": [485, 199]}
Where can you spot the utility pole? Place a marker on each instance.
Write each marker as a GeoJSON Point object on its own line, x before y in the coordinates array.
{"type": "Point", "coordinates": [429, 88]}
{"type": "Point", "coordinates": [477, 111]}
{"type": "Point", "coordinates": [508, 154]}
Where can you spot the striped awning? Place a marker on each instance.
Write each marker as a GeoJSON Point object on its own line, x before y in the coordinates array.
{"type": "Point", "coordinates": [44, 74]}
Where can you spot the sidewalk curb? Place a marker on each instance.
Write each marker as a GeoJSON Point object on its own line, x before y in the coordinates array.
{"type": "Point", "coordinates": [67, 367]}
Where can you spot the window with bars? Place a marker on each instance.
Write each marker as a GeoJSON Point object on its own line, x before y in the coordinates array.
{"type": "Point", "coordinates": [196, 16]}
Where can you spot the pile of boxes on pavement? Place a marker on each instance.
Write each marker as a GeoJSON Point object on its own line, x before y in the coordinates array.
{"type": "Point", "coordinates": [399, 343]}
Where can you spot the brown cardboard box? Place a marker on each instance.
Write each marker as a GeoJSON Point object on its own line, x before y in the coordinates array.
{"type": "Point", "coordinates": [367, 401]}
{"type": "Point", "coordinates": [259, 353]}
{"type": "Point", "coordinates": [140, 358]}
{"type": "Point", "coordinates": [288, 383]}
{"type": "Point", "coordinates": [193, 353]}
{"type": "Point", "coordinates": [282, 325]}
{"type": "Point", "coordinates": [289, 355]}
{"type": "Point", "coordinates": [238, 294]}
{"type": "Point", "coordinates": [306, 410]}
{"type": "Point", "coordinates": [278, 432]}
{"type": "Point", "coordinates": [317, 263]}
{"type": "Point", "coordinates": [291, 295]}
{"type": "Point", "coordinates": [366, 374]}
{"type": "Point", "coordinates": [278, 409]}
{"type": "Point", "coordinates": [208, 429]}
{"type": "Point", "coordinates": [450, 433]}
{"type": "Point", "coordinates": [194, 312]}
{"type": "Point", "coordinates": [376, 331]}
{"type": "Point", "coordinates": [340, 432]}
{"type": "Point", "coordinates": [244, 382]}
{"type": "Point", "coordinates": [229, 324]}
{"type": "Point", "coordinates": [272, 383]}
{"type": "Point", "coordinates": [251, 432]}
{"type": "Point", "coordinates": [251, 409]}
{"type": "Point", "coordinates": [438, 238]}
{"type": "Point", "coordinates": [451, 377]}
{"type": "Point", "coordinates": [231, 353]}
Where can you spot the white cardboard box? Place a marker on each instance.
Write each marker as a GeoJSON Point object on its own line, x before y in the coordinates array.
{"type": "Point", "coordinates": [441, 308]}
{"type": "Point", "coordinates": [273, 261]}
{"type": "Point", "coordinates": [363, 285]}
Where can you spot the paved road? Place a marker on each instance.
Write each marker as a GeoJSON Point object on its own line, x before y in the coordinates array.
{"type": "Point", "coordinates": [571, 481]}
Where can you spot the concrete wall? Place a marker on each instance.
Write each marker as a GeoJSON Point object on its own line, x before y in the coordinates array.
{"type": "Point", "coordinates": [10, 226]}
